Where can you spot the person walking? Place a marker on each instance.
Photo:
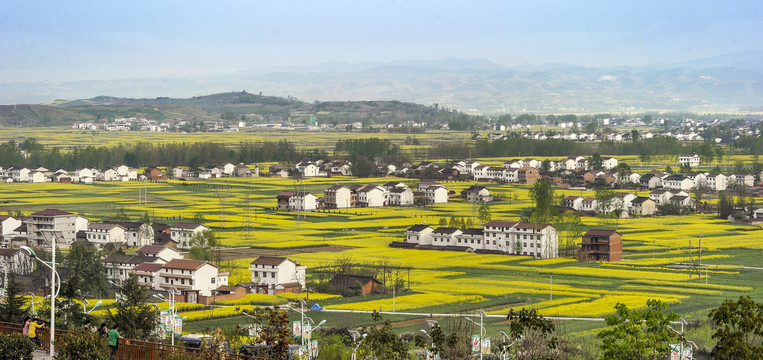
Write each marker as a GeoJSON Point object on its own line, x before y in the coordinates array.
{"type": "Point", "coordinates": [27, 320]}
{"type": "Point", "coordinates": [103, 331]}
{"type": "Point", "coordinates": [32, 334]}
{"type": "Point", "coordinates": [114, 340]}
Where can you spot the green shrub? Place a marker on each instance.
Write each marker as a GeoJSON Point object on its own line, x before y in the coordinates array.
{"type": "Point", "coordinates": [15, 347]}
{"type": "Point", "coordinates": [82, 345]}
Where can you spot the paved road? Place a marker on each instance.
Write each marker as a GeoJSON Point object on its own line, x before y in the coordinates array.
{"type": "Point", "coordinates": [40, 355]}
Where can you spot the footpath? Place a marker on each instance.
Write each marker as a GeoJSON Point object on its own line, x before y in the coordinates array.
{"type": "Point", "coordinates": [40, 355]}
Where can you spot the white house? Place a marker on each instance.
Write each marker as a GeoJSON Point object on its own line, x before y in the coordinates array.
{"type": "Point", "coordinates": [148, 274]}
{"type": "Point", "coordinates": [275, 275]}
{"type": "Point", "coordinates": [538, 240]}
{"type": "Point", "coordinates": [192, 278]}
{"type": "Point", "coordinates": [137, 234]}
{"type": "Point", "coordinates": [741, 179]}
{"type": "Point", "coordinates": [678, 182]}
{"type": "Point", "coordinates": [574, 202]}
{"type": "Point", "coordinates": [119, 267]}
{"type": "Point", "coordinates": [716, 182]}
{"type": "Point", "coordinates": [419, 234]}
{"type": "Point", "coordinates": [228, 169]}
{"type": "Point", "coordinates": [309, 169]}
{"type": "Point", "coordinates": [473, 238]}
{"type": "Point", "coordinates": [399, 196]}
{"type": "Point", "coordinates": [163, 254]}
{"type": "Point", "coordinates": [19, 174]}
{"type": "Point", "coordinates": [303, 201]}
{"type": "Point", "coordinates": [608, 162]}
{"type": "Point", "coordinates": [36, 177]}
{"type": "Point", "coordinates": [103, 233]}
{"type": "Point", "coordinates": [691, 160]}
{"type": "Point", "coordinates": [589, 204]}
{"type": "Point", "coordinates": [8, 224]}
{"type": "Point", "coordinates": [182, 233]}
{"type": "Point", "coordinates": [477, 194]}
{"type": "Point", "coordinates": [445, 236]}
{"type": "Point", "coordinates": [372, 195]}
{"type": "Point", "coordinates": [337, 197]}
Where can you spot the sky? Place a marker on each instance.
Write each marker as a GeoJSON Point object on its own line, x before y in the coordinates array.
{"type": "Point", "coordinates": [78, 40]}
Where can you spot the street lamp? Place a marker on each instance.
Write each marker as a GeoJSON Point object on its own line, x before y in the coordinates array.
{"type": "Point", "coordinates": [482, 327]}
{"type": "Point", "coordinates": [302, 304]}
{"type": "Point", "coordinates": [34, 313]}
{"type": "Point", "coordinates": [54, 288]}
{"type": "Point", "coordinates": [172, 309]}
{"type": "Point", "coordinates": [681, 337]}
{"type": "Point", "coordinates": [505, 349]}
{"type": "Point", "coordinates": [84, 307]}
{"type": "Point", "coordinates": [355, 335]}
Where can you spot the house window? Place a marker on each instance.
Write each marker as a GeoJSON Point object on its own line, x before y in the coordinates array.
{"type": "Point", "coordinates": [273, 275]}
{"type": "Point", "coordinates": [255, 273]}
{"type": "Point", "coordinates": [213, 280]}
{"type": "Point", "coordinates": [182, 281]}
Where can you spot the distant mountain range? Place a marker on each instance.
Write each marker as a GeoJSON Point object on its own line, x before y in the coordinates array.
{"type": "Point", "coordinates": [732, 82]}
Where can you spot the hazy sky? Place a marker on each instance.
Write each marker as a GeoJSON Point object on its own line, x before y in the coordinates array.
{"type": "Point", "coordinates": [83, 40]}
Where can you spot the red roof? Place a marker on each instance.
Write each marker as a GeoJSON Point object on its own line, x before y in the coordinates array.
{"type": "Point", "coordinates": [52, 212]}
{"type": "Point", "coordinates": [147, 267]}
{"type": "Point", "coordinates": [497, 223]}
{"type": "Point", "coordinates": [601, 232]}
{"type": "Point", "coordinates": [151, 249]}
{"type": "Point", "coordinates": [186, 264]}
{"type": "Point", "coordinates": [531, 226]}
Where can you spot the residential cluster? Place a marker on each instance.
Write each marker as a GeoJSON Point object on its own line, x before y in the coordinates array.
{"type": "Point", "coordinates": [497, 237]}
{"type": "Point", "coordinates": [122, 173]}
{"type": "Point", "coordinates": [392, 193]}
{"type": "Point", "coordinates": [159, 262]}
{"type": "Point", "coordinates": [143, 124]}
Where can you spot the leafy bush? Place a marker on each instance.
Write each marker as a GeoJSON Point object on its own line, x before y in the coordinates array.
{"type": "Point", "coordinates": [15, 347]}
{"type": "Point", "coordinates": [82, 345]}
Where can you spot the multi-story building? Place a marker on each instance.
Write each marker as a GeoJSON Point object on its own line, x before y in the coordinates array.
{"type": "Point", "coordinates": [182, 233]}
{"type": "Point", "coordinates": [62, 222]}
{"type": "Point", "coordinates": [527, 175]}
{"type": "Point", "coordinates": [274, 275]}
{"type": "Point", "coordinates": [419, 234]}
{"type": "Point", "coordinates": [601, 245]}
{"type": "Point", "coordinates": [192, 278]}
{"type": "Point", "coordinates": [337, 197]}
{"type": "Point", "coordinates": [105, 233]}
{"type": "Point", "coordinates": [692, 160]}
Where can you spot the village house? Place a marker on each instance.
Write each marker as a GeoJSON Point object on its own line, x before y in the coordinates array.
{"type": "Point", "coordinates": [677, 182]}
{"type": "Point", "coordinates": [278, 171]}
{"type": "Point", "coordinates": [537, 240]}
{"type": "Point", "coordinates": [368, 284]}
{"type": "Point", "coordinates": [716, 182]}
{"type": "Point", "coordinates": [527, 175]}
{"type": "Point", "coordinates": [608, 162]}
{"type": "Point", "coordinates": [64, 223]}
{"type": "Point", "coordinates": [282, 199]}
{"type": "Point", "coordinates": [469, 166]}
{"type": "Point", "coordinates": [400, 196]}
{"type": "Point", "coordinates": [119, 267]}
{"type": "Point", "coordinates": [337, 197]}
{"type": "Point", "coordinates": [19, 174]}
{"type": "Point", "coordinates": [372, 195]}
{"type": "Point", "coordinates": [303, 201]}
{"type": "Point", "coordinates": [137, 234]}
{"type": "Point", "coordinates": [8, 224]}
{"type": "Point", "coordinates": [162, 254]}
{"type": "Point", "coordinates": [691, 160]}
{"type": "Point", "coordinates": [477, 194]}
{"type": "Point", "coordinates": [445, 236]}
{"type": "Point", "coordinates": [274, 275]}
{"type": "Point", "coordinates": [242, 170]}
{"type": "Point", "coordinates": [601, 245]}
{"type": "Point", "coordinates": [650, 181]}
{"type": "Point", "coordinates": [574, 202]}
{"type": "Point", "coordinates": [472, 238]}
{"type": "Point", "coordinates": [182, 233]}
{"type": "Point", "coordinates": [192, 278]}
{"type": "Point", "coordinates": [148, 274]}
{"type": "Point", "coordinates": [227, 169]}
{"type": "Point", "coordinates": [500, 233]}
{"type": "Point", "coordinates": [419, 234]}
{"type": "Point", "coordinates": [741, 180]}
{"type": "Point", "coordinates": [154, 174]}
{"type": "Point", "coordinates": [103, 233]}
{"type": "Point", "coordinates": [589, 204]}
{"type": "Point", "coordinates": [643, 206]}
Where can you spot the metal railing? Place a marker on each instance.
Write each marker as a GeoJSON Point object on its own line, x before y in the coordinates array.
{"type": "Point", "coordinates": [126, 350]}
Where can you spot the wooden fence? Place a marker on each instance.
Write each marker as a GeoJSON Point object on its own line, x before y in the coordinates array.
{"type": "Point", "coordinates": [127, 349]}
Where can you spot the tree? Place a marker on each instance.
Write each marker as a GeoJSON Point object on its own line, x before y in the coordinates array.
{"type": "Point", "coordinates": [137, 318]}
{"type": "Point", "coordinates": [145, 219]}
{"type": "Point", "coordinates": [203, 245]}
{"type": "Point", "coordinates": [739, 329]}
{"type": "Point", "coordinates": [545, 166]}
{"type": "Point", "coordinates": [87, 271]}
{"type": "Point", "coordinates": [120, 215]}
{"type": "Point", "coordinates": [596, 162]}
{"type": "Point", "coordinates": [647, 119]}
{"type": "Point", "coordinates": [635, 136]}
{"type": "Point", "coordinates": [14, 309]}
{"type": "Point", "coordinates": [638, 334]}
{"type": "Point", "coordinates": [276, 334]}
{"type": "Point", "coordinates": [542, 195]}
{"type": "Point", "coordinates": [443, 222]}
{"type": "Point", "coordinates": [484, 214]}
{"type": "Point", "coordinates": [536, 337]}
{"type": "Point", "coordinates": [382, 342]}
{"type": "Point", "coordinates": [78, 345]}
{"type": "Point", "coordinates": [605, 200]}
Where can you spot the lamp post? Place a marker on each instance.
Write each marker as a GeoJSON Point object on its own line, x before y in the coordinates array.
{"type": "Point", "coordinates": [84, 307]}
{"type": "Point", "coordinates": [53, 288]}
{"type": "Point", "coordinates": [34, 313]}
{"type": "Point", "coordinates": [482, 327]}
{"type": "Point", "coordinates": [681, 334]}
{"type": "Point", "coordinates": [355, 335]}
{"type": "Point", "coordinates": [302, 318]}
{"type": "Point", "coordinates": [172, 309]}
{"type": "Point", "coordinates": [506, 339]}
